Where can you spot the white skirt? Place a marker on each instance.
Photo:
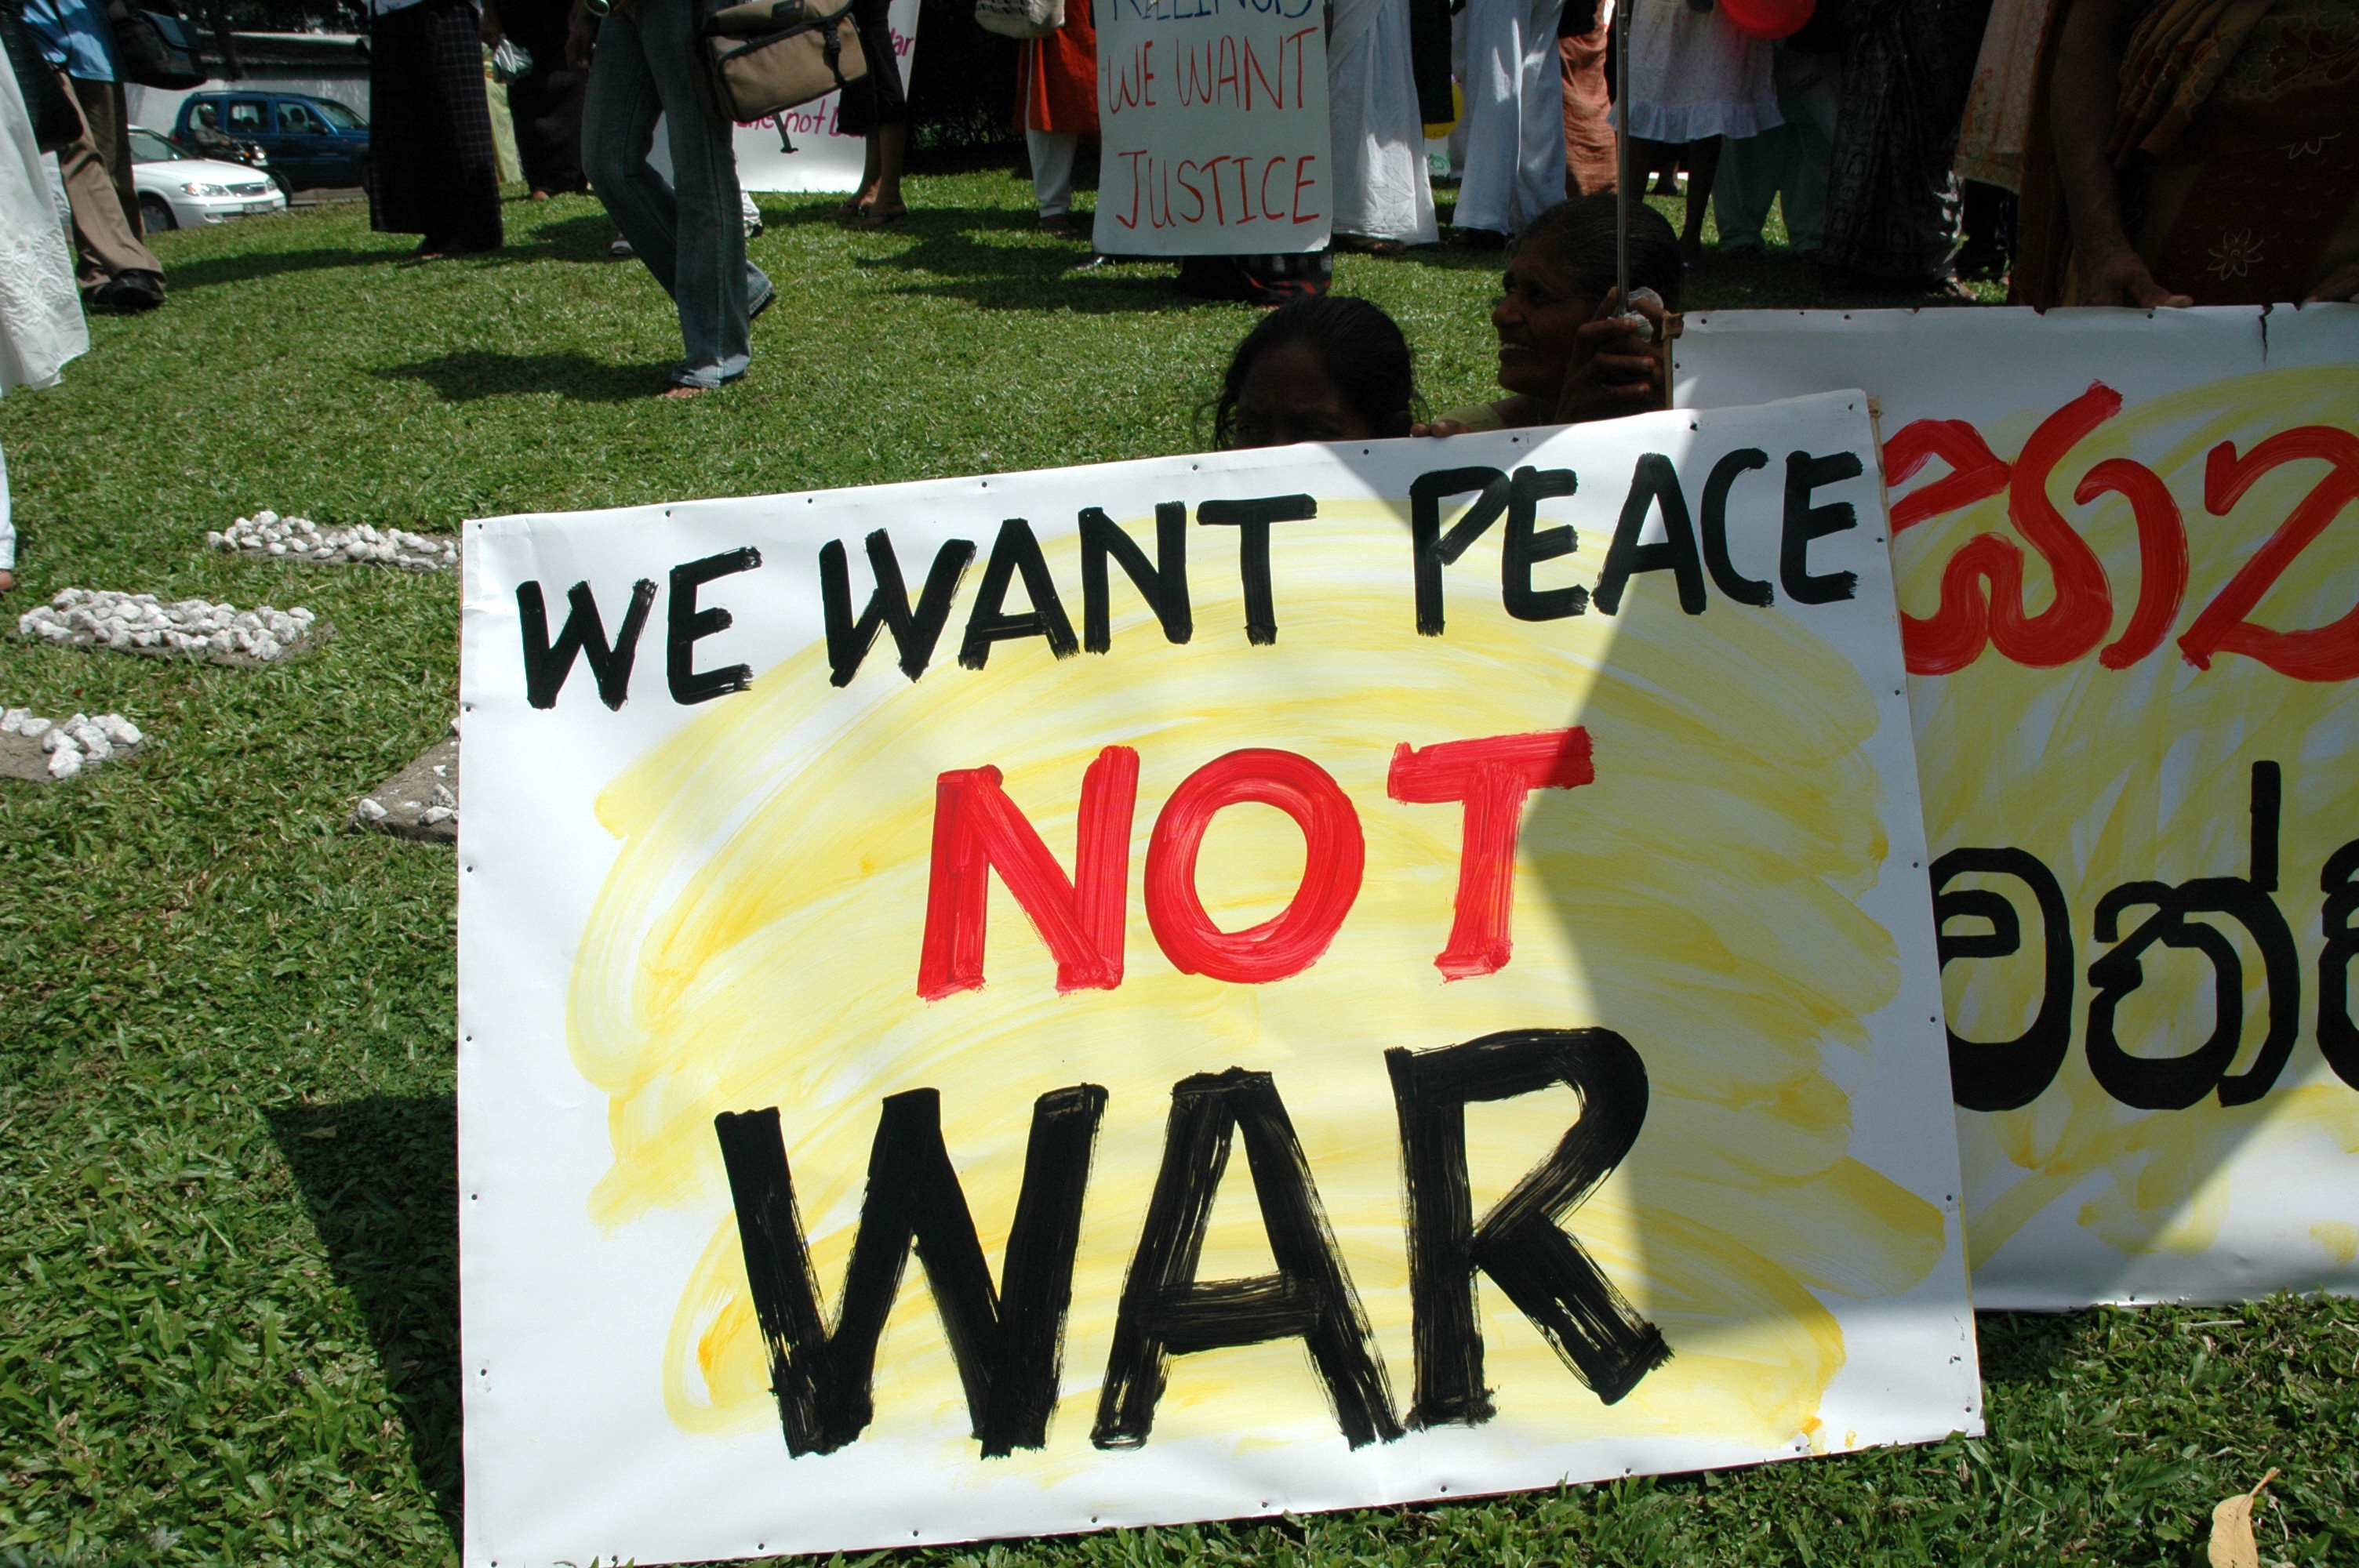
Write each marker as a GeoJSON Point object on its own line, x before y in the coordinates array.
{"type": "Point", "coordinates": [40, 312]}
{"type": "Point", "coordinates": [1381, 189]}
{"type": "Point", "coordinates": [1693, 75]}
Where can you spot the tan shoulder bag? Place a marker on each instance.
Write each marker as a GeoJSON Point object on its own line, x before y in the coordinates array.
{"type": "Point", "coordinates": [764, 55]}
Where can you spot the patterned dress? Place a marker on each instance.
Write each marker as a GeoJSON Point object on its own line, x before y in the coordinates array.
{"type": "Point", "coordinates": [1893, 203]}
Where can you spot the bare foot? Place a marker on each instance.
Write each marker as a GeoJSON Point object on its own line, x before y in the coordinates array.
{"type": "Point", "coordinates": [682, 394]}
{"type": "Point", "coordinates": [7, 579]}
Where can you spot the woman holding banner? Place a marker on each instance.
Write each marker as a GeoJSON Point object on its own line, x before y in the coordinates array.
{"type": "Point", "coordinates": [1568, 354]}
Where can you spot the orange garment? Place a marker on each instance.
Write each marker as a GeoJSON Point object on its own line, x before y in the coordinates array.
{"type": "Point", "coordinates": [1590, 164]}
{"type": "Point", "coordinates": [1057, 80]}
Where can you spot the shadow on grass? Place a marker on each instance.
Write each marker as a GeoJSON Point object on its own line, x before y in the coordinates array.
{"type": "Point", "coordinates": [2026, 1348]}
{"type": "Point", "coordinates": [248, 266]}
{"type": "Point", "coordinates": [380, 1178]}
{"type": "Point", "coordinates": [577, 378]}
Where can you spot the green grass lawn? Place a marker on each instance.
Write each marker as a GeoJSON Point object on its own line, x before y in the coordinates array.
{"type": "Point", "coordinates": [228, 1299]}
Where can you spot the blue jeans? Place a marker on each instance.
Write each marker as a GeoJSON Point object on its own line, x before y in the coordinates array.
{"type": "Point", "coordinates": [692, 240]}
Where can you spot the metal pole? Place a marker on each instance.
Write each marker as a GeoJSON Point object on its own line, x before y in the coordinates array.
{"type": "Point", "coordinates": [1622, 151]}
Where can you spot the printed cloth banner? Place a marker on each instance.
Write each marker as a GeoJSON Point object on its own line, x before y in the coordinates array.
{"type": "Point", "coordinates": [824, 157]}
{"type": "Point", "coordinates": [1359, 973]}
{"type": "Point", "coordinates": [2128, 565]}
{"type": "Point", "coordinates": [1214, 115]}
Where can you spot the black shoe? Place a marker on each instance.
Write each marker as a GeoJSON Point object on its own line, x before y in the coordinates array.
{"type": "Point", "coordinates": [129, 293]}
{"type": "Point", "coordinates": [1477, 239]}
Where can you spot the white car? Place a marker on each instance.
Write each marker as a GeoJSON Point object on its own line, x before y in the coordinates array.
{"type": "Point", "coordinates": [180, 190]}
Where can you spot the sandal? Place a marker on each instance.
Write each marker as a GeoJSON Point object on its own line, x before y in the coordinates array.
{"type": "Point", "coordinates": [871, 218]}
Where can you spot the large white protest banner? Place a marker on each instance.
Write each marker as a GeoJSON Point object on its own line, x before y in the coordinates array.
{"type": "Point", "coordinates": [2128, 565]}
{"type": "Point", "coordinates": [824, 157]}
{"type": "Point", "coordinates": [1213, 114]}
{"type": "Point", "coordinates": [1362, 973]}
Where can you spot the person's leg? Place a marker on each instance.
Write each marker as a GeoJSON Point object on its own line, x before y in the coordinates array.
{"type": "Point", "coordinates": [1752, 168]}
{"type": "Point", "coordinates": [106, 232]}
{"type": "Point", "coordinates": [1702, 158]}
{"type": "Point", "coordinates": [888, 132]}
{"type": "Point", "coordinates": [1809, 93]}
{"type": "Point", "coordinates": [7, 532]}
{"type": "Point", "coordinates": [716, 288]}
{"type": "Point", "coordinates": [1052, 170]}
{"type": "Point", "coordinates": [619, 109]}
{"type": "Point", "coordinates": [1539, 105]}
{"type": "Point", "coordinates": [1493, 119]}
{"type": "Point", "coordinates": [467, 158]}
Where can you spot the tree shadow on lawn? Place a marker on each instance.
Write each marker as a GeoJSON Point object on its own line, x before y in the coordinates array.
{"type": "Point", "coordinates": [472, 376]}
{"type": "Point", "coordinates": [380, 1178]}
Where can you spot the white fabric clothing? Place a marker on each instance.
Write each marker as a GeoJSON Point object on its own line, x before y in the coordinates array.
{"type": "Point", "coordinates": [1693, 76]}
{"type": "Point", "coordinates": [41, 311]}
{"type": "Point", "coordinates": [1052, 170]}
{"type": "Point", "coordinates": [1382, 189]}
{"type": "Point", "coordinates": [1514, 115]}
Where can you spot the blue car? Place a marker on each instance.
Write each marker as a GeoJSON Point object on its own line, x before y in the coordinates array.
{"type": "Point", "coordinates": [311, 141]}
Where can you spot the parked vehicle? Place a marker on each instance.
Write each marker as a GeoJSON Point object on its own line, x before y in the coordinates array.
{"type": "Point", "coordinates": [178, 189]}
{"type": "Point", "coordinates": [310, 141]}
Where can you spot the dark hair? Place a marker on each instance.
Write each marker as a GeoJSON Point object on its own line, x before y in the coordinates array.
{"type": "Point", "coordinates": [1576, 237]}
{"type": "Point", "coordinates": [1358, 344]}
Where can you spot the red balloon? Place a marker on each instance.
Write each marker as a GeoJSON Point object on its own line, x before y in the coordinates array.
{"type": "Point", "coordinates": [1768, 18]}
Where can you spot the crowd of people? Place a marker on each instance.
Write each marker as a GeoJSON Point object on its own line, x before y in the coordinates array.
{"type": "Point", "coordinates": [2127, 152]}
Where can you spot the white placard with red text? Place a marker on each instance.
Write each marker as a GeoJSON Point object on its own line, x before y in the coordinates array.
{"type": "Point", "coordinates": [1214, 119]}
{"type": "Point", "coordinates": [2126, 546]}
{"type": "Point", "coordinates": [824, 159]}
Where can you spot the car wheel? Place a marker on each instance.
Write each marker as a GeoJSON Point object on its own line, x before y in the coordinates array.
{"type": "Point", "coordinates": [155, 213]}
{"type": "Point", "coordinates": [286, 183]}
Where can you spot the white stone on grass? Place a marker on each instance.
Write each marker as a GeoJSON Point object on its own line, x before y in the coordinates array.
{"type": "Point", "coordinates": [268, 533]}
{"type": "Point", "coordinates": [75, 743]}
{"type": "Point", "coordinates": [371, 810]}
{"type": "Point", "coordinates": [190, 628]}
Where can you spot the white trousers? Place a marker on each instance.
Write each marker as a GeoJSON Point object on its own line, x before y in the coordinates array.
{"type": "Point", "coordinates": [1052, 170]}
{"type": "Point", "coordinates": [1514, 115]}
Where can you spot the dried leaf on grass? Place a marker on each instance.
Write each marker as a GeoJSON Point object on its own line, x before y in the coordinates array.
{"type": "Point", "coordinates": [2233, 1545]}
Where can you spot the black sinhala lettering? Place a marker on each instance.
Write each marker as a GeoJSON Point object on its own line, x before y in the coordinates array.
{"type": "Point", "coordinates": [2174, 1083]}
{"type": "Point", "coordinates": [1713, 521]}
{"type": "Point", "coordinates": [1521, 1243]}
{"type": "Point", "coordinates": [2004, 1074]}
{"type": "Point", "coordinates": [1526, 546]}
{"type": "Point", "coordinates": [1804, 523]}
{"type": "Point", "coordinates": [547, 664]}
{"type": "Point", "coordinates": [914, 632]}
{"type": "Point", "coordinates": [686, 626]}
{"type": "Point", "coordinates": [1654, 487]}
{"type": "Point", "coordinates": [1166, 1310]}
{"type": "Point", "coordinates": [2338, 1037]}
{"type": "Point", "coordinates": [1252, 519]}
{"type": "Point", "coordinates": [1430, 549]}
{"type": "Point", "coordinates": [1163, 585]}
{"type": "Point", "coordinates": [1016, 550]}
{"type": "Point", "coordinates": [1006, 1343]}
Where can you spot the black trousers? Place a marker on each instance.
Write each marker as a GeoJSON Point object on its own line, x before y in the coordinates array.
{"type": "Point", "coordinates": [432, 168]}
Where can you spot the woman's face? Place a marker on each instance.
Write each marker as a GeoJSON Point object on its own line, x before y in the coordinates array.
{"type": "Point", "coordinates": [1539, 313]}
{"type": "Point", "coordinates": [1287, 396]}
